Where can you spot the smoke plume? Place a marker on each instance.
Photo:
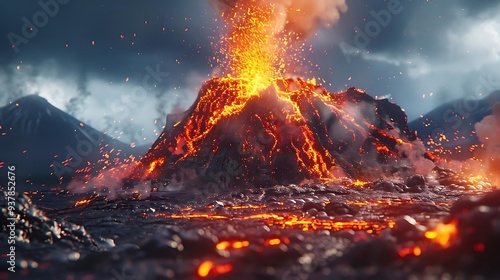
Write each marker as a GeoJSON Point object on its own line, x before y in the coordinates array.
{"type": "Point", "coordinates": [300, 17]}
{"type": "Point", "coordinates": [488, 132]}
{"type": "Point", "coordinates": [75, 104]}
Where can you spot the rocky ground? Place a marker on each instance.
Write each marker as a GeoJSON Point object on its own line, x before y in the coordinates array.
{"type": "Point", "coordinates": [344, 230]}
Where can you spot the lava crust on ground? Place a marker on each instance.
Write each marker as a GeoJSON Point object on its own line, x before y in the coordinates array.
{"type": "Point", "coordinates": [347, 230]}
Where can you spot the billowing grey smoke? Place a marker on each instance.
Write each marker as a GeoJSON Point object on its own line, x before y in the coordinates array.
{"type": "Point", "coordinates": [301, 17]}
{"type": "Point", "coordinates": [14, 84]}
{"type": "Point", "coordinates": [76, 103]}
{"type": "Point", "coordinates": [488, 132]}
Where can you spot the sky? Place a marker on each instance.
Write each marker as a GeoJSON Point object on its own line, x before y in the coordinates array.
{"type": "Point", "coordinates": [122, 66]}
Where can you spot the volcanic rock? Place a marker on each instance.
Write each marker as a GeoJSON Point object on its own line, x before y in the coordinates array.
{"type": "Point", "coordinates": [337, 208]}
{"type": "Point", "coordinates": [32, 225]}
{"type": "Point", "coordinates": [415, 184]}
{"type": "Point", "coordinates": [387, 186]}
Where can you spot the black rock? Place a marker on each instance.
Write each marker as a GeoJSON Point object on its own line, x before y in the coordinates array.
{"type": "Point", "coordinates": [387, 186]}
{"type": "Point", "coordinates": [319, 206]}
{"type": "Point", "coordinates": [166, 245]}
{"type": "Point", "coordinates": [407, 229]}
{"type": "Point", "coordinates": [415, 184]}
{"type": "Point", "coordinates": [415, 180]}
{"type": "Point", "coordinates": [34, 226]}
{"type": "Point", "coordinates": [337, 208]}
{"type": "Point", "coordinates": [463, 205]}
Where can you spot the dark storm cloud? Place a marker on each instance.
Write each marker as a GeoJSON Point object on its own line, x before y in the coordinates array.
{"type": "Point", "coordinates": [478, 6]}
{"type": "Point", "coordinates": [90, 54]}
{"type": "Point", "coordinates": [420, 28]}
{"type": "Point", "coordinates": [182, 45]}
{"type": "Point", "coordinates": [441, 47]}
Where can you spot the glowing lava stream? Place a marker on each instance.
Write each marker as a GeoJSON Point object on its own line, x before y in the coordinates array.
{"type": "Point", "coordinates": [292, 221]}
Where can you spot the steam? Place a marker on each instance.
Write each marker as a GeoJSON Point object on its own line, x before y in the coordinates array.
{"type": "Point", "coordinates": [109, 183]}
{"type": "Point", "coordinates": [301, 17]}
{"type": "Point", "coordinates": [414, 153]}
{"type": "Point", "coordinates": [75, 104]}
{"type": "Point", "coordinates": [15, 84]}
{"type": "Point", "coordinates": [488, 132]}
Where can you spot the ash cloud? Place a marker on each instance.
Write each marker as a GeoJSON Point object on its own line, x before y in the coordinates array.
{"type": "Point", "coordinates": [414, 153]}
{"type": "Point", "coordinates": [302, 17]}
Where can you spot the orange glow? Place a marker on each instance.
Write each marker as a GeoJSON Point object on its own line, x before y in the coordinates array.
{"type": "Point", "coordinates": [236, 207]}
{"type": "Point", "coordinates": [292, 221]}
{"type": "Point", "coordinates": [443, 234]}
{"type": "Point", "coordinates": [359, 183]}
{"type": "Point", "coordinates": [276, 241]}
{"type": "Point", "coordinates": [417, 251]}
{"type": "Point", "coordinates": [392, 201]}
{"type": "Point", "coordinates": [208, 268]}
{"type": "Point", "coordinates": [240, 244]}
{"type": "Point", "coordinates": [477, 179]}
{"type": "Point", "coordinates": [382, 149]}
{"type": "Point", "coordinates": [225, 245]}
{"type": "Point", "coordinates": [82, 202]}
{"type": "Point", "coordinates": [406, 251]}
{"type": "Point", "coordinates": [253, 51]}
{"type": "Point", "coordinates": [154, 164]}
{"type": "Point", "coordinates": [204, 268]}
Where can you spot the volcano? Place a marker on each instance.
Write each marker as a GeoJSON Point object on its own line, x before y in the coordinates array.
{"type": "Point", "coordinates": [291, 131]}
{"type": "Point", "coordinates": [255, 126]}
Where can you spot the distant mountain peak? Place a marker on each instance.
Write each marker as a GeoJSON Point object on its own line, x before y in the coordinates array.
{"type": "Point", "coordinates": [455, 120]}
{"type": "Point", "coordinates": [36, 136]}
{"type": "Point", "coordinates": [30, 101]}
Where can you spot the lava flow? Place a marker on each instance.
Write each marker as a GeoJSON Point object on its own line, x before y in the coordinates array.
{"type": "Point", "coordinates": [255, 127]}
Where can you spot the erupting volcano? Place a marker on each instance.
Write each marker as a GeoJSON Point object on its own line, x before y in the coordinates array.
{"type": "Point", "coordinates": [307, 184]}
{"type": "Point", "coordinates": [259, 128]}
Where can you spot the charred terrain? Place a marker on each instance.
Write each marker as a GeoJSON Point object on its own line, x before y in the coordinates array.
{"type": "Point", "coordinates": [312, 231]}
{"type": "Point", "coordinates": [380, 221]}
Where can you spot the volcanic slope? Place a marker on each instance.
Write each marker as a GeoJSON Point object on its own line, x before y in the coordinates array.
{"type": "Point", "coordinates": [292, 131]}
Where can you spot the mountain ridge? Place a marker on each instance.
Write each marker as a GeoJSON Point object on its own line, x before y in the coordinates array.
{"type": "Point", "coordinates": [48, 145]}
{"type": "Point", "coordinates": [455, 120]}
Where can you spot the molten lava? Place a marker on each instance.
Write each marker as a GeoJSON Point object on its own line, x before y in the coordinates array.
{"type": "Point", "coordinates": [288, 221]}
